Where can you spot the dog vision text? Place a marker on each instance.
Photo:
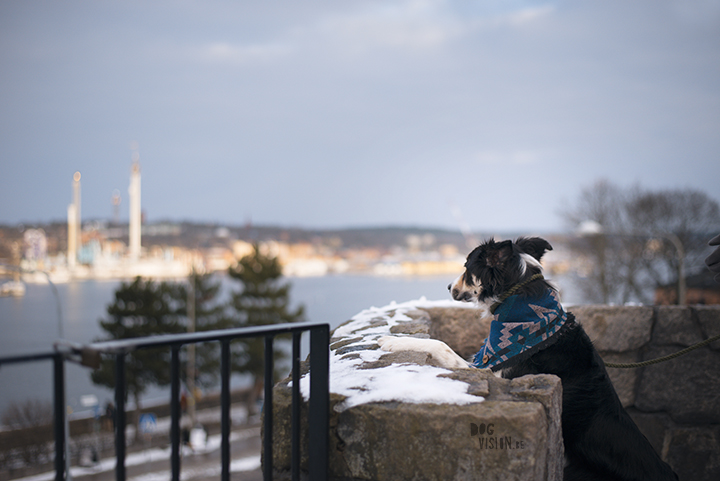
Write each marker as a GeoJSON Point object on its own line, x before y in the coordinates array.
{"type": "Point", "coordinates": [500, 442]}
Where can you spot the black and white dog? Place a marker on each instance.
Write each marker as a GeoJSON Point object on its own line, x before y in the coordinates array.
{"type": "Point", "coordinates": [532, 334]}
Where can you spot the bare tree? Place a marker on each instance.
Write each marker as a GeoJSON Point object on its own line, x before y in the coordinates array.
{"type": "Point", "coordinates": [676, 225]}
{"type": "Point", "coordinates": [640, 239]}
{"type": "Point", "coordinates": [601, 207]}
{"type": "Point", "coordinates": [31, 430]}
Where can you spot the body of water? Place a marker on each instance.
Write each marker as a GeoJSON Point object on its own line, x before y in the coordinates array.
{"type": "Point", "coordinates": [31, 324]}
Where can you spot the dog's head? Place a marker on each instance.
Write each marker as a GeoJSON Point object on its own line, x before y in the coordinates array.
{"type": "Point", "coordinates": [494, 267]}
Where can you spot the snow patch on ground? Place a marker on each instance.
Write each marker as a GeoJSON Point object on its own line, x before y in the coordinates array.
{"type": "Point", "coordinates": [160, 454]}
{"type": "Point", "coordinates": [250, 463]}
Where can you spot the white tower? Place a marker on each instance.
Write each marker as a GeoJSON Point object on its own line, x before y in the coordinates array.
{"type": "Point", "coordinates": [74, 223]}
{"type": "Point", "coordinates": [135, 210]}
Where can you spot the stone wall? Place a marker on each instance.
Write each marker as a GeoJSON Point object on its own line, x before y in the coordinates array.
{"type": "Point", "coordinates": [676, 404]}
{"type": "Point", "coordinates": [472, 425]}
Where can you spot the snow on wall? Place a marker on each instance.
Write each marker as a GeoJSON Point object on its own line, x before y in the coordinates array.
{"type": "Point", "coordinates": [397, 382]}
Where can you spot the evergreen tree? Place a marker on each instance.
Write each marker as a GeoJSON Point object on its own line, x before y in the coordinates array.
{"type": "Point", "coordinates": [209, 315]}
{"type": "Point", "coordinates": [141, 308]}
{"type": "Point", "coordinates": [262, 299]}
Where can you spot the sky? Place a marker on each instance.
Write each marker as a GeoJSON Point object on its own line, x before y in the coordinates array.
{"type": "Point", "coordinates": [487, 114]}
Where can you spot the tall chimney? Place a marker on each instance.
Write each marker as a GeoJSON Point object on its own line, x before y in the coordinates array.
{"type": "Point", "coordinates": [135, 209]}
{"type": "Point", "coordinates": [74, 223]}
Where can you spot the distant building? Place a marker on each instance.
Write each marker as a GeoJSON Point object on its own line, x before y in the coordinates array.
{"type": "Point", "coordinates": [35, 242]}
{"type": "Point", "coordinates": [701, 289]}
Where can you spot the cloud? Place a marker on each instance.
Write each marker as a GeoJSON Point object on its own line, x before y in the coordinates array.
{"type": "Point", "coordinates": [414, 24]}
{"type": "Point", "coordinates": [500, 157]}
{"type": "Point", "coordinates": [224, 52]}
{"type": "Point", "coordinates": [421, 24]}
{"type": "Point", "coordinates": [418, 26]}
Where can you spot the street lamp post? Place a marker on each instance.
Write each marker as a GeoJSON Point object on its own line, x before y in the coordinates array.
{"type": "Point", "coordinates": [680, 250]}
{"type": "Point", "coordinates": [191, 352]}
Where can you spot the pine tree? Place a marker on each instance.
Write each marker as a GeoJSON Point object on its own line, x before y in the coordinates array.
{"type": "Point", "coordinates": [263, 299]}
{"type": "Point", "coordinates": [141, 308]}
{"type": "Point", "coordinates": [209, 315]}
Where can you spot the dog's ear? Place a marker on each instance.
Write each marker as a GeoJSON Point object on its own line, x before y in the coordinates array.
{"type": "Point", "coordinates": [498, 254]}
{"type": "Point", "coordinates": [535, 246]}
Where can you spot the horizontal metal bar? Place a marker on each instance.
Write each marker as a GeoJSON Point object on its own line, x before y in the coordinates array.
{"type": "Point", "coordinates": [42, 356]}
{"type": "Point", "coordinates": [126, 345]}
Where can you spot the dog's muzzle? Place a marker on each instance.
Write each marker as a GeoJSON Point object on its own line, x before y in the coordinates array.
{"type": "Point", "coordinates": [460, 291]}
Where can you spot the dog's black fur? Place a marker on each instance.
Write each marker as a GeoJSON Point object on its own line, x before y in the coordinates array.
{"type": "Point", "coordinates": [601, 440]}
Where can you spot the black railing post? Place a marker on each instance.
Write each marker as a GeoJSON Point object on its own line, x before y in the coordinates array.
{"type": "Point", "coordinates": [295, 459]}
{"type": "Point", "coordinates": [59, 417]}
{"type": "Point", "coordinates": [225, 369]}
{"type": "Point", "coordinates": [268, 409]}
{"type": "Point", "coordinates": [175, 413]}
{"type": "Point", "coordinates": [120, 416]}
{"type": "Point", "coordinates": [318, 418]}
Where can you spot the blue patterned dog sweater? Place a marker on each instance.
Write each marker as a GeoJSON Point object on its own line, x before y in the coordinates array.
{"type": "Point", "coordinates": [521, 326]}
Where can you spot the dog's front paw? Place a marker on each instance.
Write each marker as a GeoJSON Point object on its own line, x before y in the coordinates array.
{"type": "Point", "coordinates": [438, 350]}
{"type": "Point", "coordinates": [392, 343]}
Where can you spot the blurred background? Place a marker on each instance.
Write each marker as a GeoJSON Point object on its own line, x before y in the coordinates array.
{"type": "Point", "coordinates": [367, 146]}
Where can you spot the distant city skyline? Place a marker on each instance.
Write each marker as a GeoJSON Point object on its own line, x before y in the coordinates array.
{"type": "Point", "coordinates": [484, 115]}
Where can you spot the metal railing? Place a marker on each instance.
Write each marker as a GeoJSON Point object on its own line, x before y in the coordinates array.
{"type": "Point", "coordinates": [317, 410]}
{"type": "Point", "coordinates": [58, 402]}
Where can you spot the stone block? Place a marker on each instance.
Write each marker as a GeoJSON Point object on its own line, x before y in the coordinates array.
{"type": "Point", "coordinates": [547, 390]}
{"type": "Point", "coordinates": [463, 329]}
{"type": "Point", "coordinates": [392, 441]}
{"type": "Point", "coordinates": [624, 380]}
{"type": "Point", "coordinates": [418, 315]}
{"type": "Point", "coordinates": [416, 328]}
{"type": "Point", "coordinates": [694, 452]}
{"type": "Point", "coordinates": [709, 319]}
{"type": "Point", "coordinates": [340, 343]}
{"type": "Point", "coordinates": [687, 387]}
{"type": "Point", "coordinates": [402, 357]}
{"type": "Point", "coordinates": [674, 326]}
{"type": "Point", "coordinates": [478, 381]}
{"type": "Point", "coordinates": [615, 329]}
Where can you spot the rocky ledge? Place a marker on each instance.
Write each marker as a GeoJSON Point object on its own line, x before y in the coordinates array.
{"type": "Point", "coordinates": [400, 416]}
